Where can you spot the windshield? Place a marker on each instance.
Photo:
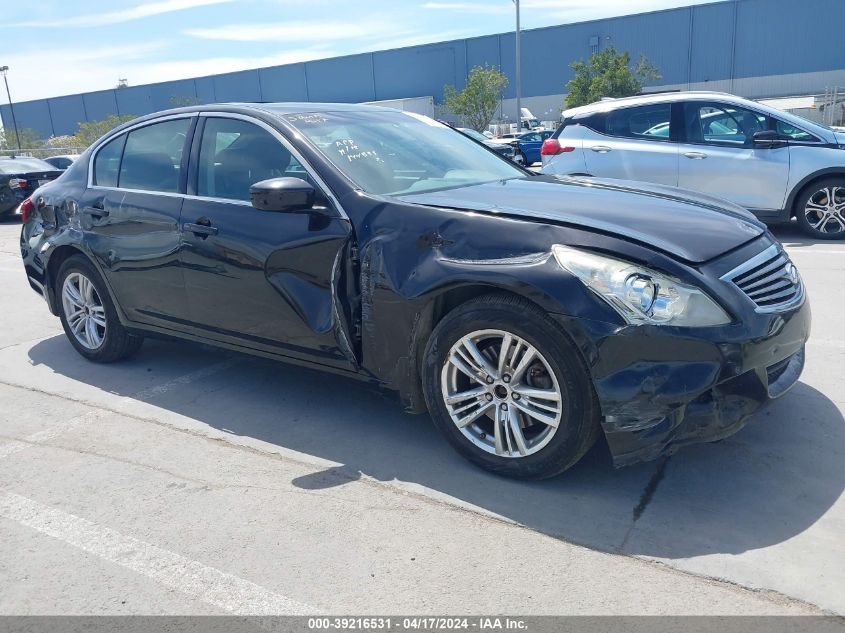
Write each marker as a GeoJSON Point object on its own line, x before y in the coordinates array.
{"type": "Point", "coordinates": [394, 153]}
{"type": "Point", "coordinates": [24, 165]}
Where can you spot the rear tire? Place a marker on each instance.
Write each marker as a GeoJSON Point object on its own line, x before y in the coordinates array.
{"type": "Point", "coordinates": [88, 314]}
{"type": "Point", "coordinates": [820, 209]}
{"type": "Point", "coordinates": [505, 426]}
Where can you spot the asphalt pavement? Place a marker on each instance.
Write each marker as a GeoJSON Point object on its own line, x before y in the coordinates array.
{"type": "Point", "coordinates": [190, 480]}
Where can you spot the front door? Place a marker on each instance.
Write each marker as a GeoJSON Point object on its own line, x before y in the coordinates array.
{"type": "Point", "coordinates": [262, 279]}
{"type": "Point", "coordinates": [719, 156]}
{"type": "Point", "coordinates": [130, 216]}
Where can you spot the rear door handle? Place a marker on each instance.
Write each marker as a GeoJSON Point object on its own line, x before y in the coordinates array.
{"type": "Point", "coordinates": [96, 210]}
{"type": "Point", "coordinates": [696, 155]}
{"type": "Point", "coordinates": [601, 149]}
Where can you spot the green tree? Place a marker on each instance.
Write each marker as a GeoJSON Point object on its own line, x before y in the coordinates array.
{"type": "Point", "coordinates": [477, 102]}
{"type": "Point", "coordinates": [90, 131]}
{"type": "Point", "coordinates": [608, 74]}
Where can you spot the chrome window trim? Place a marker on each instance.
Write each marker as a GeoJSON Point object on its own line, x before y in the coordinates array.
{"type": "Point", "coordinates": [126, 130]}
{"type": "Point", "coordinates": [764, 256]}
{"type": "Point", "coordinates": [287, 145]}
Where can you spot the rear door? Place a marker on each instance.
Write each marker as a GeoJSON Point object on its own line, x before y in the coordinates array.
{"type": "Point", "coordinates": [262, 279]}
{"type": "Point", "coordinates": [719, 156]}
{"type": "Point", "coordinates": [130, 214]}
{"type": "Point", "coordinates": [530, 144]}
{"type": "Point", "coordinates": [634, 143]}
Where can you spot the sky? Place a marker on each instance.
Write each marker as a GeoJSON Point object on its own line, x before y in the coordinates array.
{"type": "Point", "coordinates": [58, 47]}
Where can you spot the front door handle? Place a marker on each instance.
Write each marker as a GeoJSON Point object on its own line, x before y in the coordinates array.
{"type": "Point", "coordinates": [696, 155]}
{"type": "Point", "coordinates": [201, 228]}
{"type": "Point", "coordinates": [601, 149]}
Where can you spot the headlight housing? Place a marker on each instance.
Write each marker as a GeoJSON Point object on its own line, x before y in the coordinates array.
{"type": "Point", "coordinates": [639, 294]}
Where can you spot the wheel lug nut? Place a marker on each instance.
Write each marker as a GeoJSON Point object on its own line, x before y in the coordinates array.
{"type": "Point", "coordinates": [516, 396]}
{"type": "Point", "coordinates": [489, 396]}
{"type": "Point", "coordinates": [489, 380]}
{"type": "Point", "coordinates": [506, 378]}
{"type": "Point", "coordinates": [503, 407]}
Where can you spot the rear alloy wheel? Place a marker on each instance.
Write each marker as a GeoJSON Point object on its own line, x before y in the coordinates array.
{"type": "Point", "coordinates": [88, 316]}
{"type": "Point", "coordinates": [820, 210]}
{"type": "Point", "coordinates": [519, 159]}
{"type": "Point", "coordinates": [508, 389]}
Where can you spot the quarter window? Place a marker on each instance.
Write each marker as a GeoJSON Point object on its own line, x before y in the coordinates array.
{"type": "Point", "coordinates": [153, 156]}
{"type": "Point", "coordinates": [796, 134]}
{"type": "Point", "coordinates": [651, 122]}
{"type": "Point", "coordinates": [107, 162]}
{"type": "Point", "coordinates": [236, 154]}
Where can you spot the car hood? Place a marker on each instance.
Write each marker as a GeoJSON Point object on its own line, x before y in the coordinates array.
{"type": "Point", "coordinates": [691, 226]}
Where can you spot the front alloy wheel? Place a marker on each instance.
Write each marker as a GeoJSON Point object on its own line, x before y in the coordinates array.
{"type": "Point", "coordinates": [508, 389]}
{"type": "Point", "coordinates": [501, 393]}
{"type": "Point", "coordinates": [821, 210]}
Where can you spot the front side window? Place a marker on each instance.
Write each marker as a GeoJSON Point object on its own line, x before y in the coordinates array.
{"type": "Point", "coordinates": [236, 154]}
{"type": "Point", "coordinates": [649, 122]}
{"type": "Point", "coordinates": [393, 153]}
{"type": "Point", "coordinates": [107, 162]}
{"type": "Point", "coordinates": [722, 124]}
{"type": "Point", "coordinates": [152, 158]}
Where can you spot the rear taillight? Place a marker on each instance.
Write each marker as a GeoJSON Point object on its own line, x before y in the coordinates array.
{"type": "Point", "coordinates": [552, 147]}
{"type": "Point", "coordinates": [17, 183]}
{"type": "Point", "coordinates": [27, 209]}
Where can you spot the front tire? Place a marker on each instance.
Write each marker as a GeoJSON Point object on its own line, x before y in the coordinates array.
{"type": "Point", "coordinates": [88, 315]}
{"type": "Point", "coordinates": [820, 209]}
{"type": "Point", "coordinates": [508, 389]}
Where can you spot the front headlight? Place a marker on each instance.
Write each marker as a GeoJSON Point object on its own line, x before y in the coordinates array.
{"type": "Point", "coordinates": [639, 294]}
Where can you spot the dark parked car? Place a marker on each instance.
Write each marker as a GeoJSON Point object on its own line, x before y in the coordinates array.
{"type": "Point", "coordinates": [506, 150]}
{"type": "Point", "coordinates": [527, 314]}
{"type": "Point", "coordinates": [19, 177]}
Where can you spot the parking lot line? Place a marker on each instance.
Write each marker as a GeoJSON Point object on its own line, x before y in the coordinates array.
{"type": "Point", "coordinates": [215, 587]}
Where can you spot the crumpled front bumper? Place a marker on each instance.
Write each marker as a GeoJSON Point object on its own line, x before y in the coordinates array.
{"type": "Point", "coordinates": [659, 391]}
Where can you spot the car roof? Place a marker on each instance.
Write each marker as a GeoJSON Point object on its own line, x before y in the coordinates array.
{"type": "Point", "coordinates": [605, 105]}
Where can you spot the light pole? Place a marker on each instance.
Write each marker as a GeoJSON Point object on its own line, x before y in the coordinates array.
{"type": "Point", "coordinates": [3, 70]}
{"type": "Point", "coordinates": [518, 77]}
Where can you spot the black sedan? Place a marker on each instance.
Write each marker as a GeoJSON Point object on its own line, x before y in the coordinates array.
{"type": "Point", "coordinates": [527, 314]}
{"type": "Point", "coordinates": [19, 177]}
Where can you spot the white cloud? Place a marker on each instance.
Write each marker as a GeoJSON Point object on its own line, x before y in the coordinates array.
{"type": "Point", "coordinates": [471, 7]}
{"type": "Point", "coordinates": [297, 31]}
{"type": "Point", "coordinates": [129, 14]}
{"type": "Point", "coordinates": [570, 10]}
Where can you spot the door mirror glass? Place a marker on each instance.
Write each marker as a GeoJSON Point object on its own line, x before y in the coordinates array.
{"type": "Point", "coordinates": [767, 139]}
{"type": "Point", "coordinates": [282, 194]}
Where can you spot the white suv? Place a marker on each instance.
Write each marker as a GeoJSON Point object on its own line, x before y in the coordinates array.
{"type": "Point", "coordinates": [773, 163]}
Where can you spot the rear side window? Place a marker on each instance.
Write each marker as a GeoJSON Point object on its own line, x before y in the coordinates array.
{"type": "Point", "coordinates": [152, 158]}
{"type": "Point", "coordinates": [107, 162]}
{"type": "Point", "coordinates": [649, 122]}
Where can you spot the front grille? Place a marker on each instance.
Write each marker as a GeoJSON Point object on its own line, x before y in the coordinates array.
{"type": "Point", "coordinates": [769, 279]}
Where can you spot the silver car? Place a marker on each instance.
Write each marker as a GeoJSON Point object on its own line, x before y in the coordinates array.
{"type": "Point", "coordinates": [773, 163]}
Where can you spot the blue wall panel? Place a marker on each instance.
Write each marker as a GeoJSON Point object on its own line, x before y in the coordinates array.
{"type": "Point", "coordinates": [99, 105]}
{"type": "Point", "coordinates": [283, 83]}
{"type": "Point", "coordinates": [713, 29]}
{"type": "Point", "coordinates": [341, 79]}
{"type": "Point", "coordinates": [419, 71]}
{"type": "Point", "coordinates": [688, 45]}
{"type": "Point", "coordinates": [66, 114]}
{"type": "Point", "coordinates": [240, 86]}
{"type": "Point", "coordinates": [173, 94]}
{"type": "Point", "coordinates": [135, 100]}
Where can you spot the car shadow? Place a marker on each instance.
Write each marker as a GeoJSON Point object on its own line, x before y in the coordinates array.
{"type": "Point", "coordinates": [763, 486]}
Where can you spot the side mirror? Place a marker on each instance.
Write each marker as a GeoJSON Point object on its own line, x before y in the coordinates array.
{"type": "Point", "coordinates": [282, 194]}
{"type": "Point", "coordinates": [768, 139]}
